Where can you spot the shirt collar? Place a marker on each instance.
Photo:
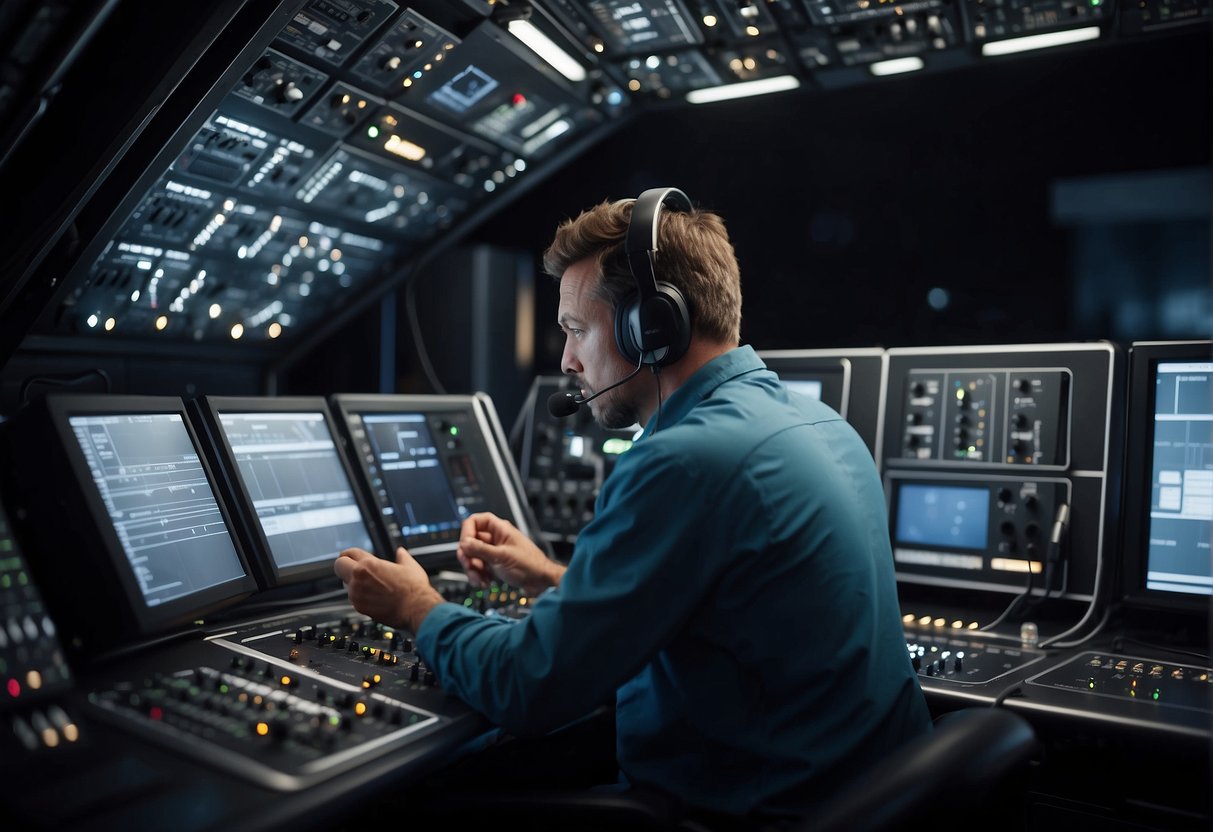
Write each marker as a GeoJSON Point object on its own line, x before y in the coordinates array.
{"type": "Point", "coordinates": [704, 381]}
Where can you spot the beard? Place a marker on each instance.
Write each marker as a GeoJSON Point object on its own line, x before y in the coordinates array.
{"type": "Point", "coordinates": [616, 410]}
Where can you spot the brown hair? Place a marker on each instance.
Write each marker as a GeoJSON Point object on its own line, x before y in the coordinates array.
{"type": "Point", "coordinates": [694, 255]}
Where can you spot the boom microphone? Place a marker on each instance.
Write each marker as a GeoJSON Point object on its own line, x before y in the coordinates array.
{"type": "Point", "coordinates": [566, 404]}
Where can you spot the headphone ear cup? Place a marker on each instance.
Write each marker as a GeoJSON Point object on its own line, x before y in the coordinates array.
{"type": "Point", "coordinates": [662, 322]}
{"type": "Point", "coordinates": [627, 328]}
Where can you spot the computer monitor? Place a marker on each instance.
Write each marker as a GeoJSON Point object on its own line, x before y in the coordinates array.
{"type": "Point", "coordinates": [849, 380]}
{"type": "Point", "coordinates": [283, 467]}
{"type": "Point", "coordinates": [1167, 510]}
{"type": "Point", "coordinates": [428, 463]}
{"type": "Point", "coordinates": [125, 531]}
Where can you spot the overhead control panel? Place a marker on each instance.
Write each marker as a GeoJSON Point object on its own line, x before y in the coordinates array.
{"type": "Point", "coordinates": [353, 140]}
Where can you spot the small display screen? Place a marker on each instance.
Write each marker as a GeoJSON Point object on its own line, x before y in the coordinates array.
{"type": "Point", "coordinates": [303, 498]}
{"type": "Point", "coordinates": [653, 25]}
{"type": "Point", "coordinates": [947, 516]}
{"type": "Point", "coordinates": [419, 491]}
{"type": "Point", "coordinates": [805, 387]}
{"type": "Point", "coordinates": [1181, 494]}
{"type": "Point", "coordinates": [160, 503]}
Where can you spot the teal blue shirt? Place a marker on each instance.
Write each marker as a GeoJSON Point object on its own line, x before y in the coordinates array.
{"type": "Point", "coordinates": [734, 590]}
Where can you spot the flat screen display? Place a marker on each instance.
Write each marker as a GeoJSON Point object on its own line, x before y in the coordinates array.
{"type": "Point", "coordinates": [1178, 555]}
{"type": "Point", "coordinates": [160, 502]}
{"type": "Point", "coordinates": [302, 496]}
{"type": "Point", "coordinates": [952, 517]}
{"type": "Point", "coordinates": [420, 494]}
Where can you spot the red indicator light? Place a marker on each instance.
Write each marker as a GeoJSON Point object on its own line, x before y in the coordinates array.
{"type": "Point", "coordinates": [155, 713]}
{"type": "Point", "coordinates": [14, 688]}
{"type": "Point", "coordinates": [519, 100]}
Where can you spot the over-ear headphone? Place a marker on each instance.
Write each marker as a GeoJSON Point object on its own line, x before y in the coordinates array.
{"type": "Point", "coordinates": [653, 325]}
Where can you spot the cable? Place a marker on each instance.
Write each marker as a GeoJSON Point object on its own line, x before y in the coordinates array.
{"type": "Point", "coordinates": [657, 416]}
{"type": "Point", "coordinates": [410, 310]}
{"type": "Point", "coordinates": [64, 381]}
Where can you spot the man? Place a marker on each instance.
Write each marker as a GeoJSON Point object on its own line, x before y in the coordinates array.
{"type": "Point", "coordinates": [735, 588]}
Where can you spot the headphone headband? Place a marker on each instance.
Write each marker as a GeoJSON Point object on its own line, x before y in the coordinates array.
{"type": "Point", "coordinates": [654, 327]}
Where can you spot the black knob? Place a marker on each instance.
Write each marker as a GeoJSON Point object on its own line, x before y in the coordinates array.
{"type": "Point", "coordinates": [1007, 528]}
{"type": "Point", "coordinates": [1004, 495]}
{"type": "Point", "coordinates": [1031, 530]}
{"type": "Point", "coordinates": [1023, 385]}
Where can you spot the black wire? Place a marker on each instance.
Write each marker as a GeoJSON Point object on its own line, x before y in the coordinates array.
{"type": "Point", "coordinates": [657, 416]}
{"type": "Point", "coordinates": [64, 381]}
{"type": "Point", "coordinates": [410, 310]}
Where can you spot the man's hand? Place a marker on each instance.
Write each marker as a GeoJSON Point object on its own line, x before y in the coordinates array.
{"type": "Point", "coordinates": [397, 594]}
{"type": "Point", "coordinates": [490, 546]}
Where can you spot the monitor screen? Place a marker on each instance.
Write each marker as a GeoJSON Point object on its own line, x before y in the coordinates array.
{"type": "Point", "coordinates": [428, 463]}
{"type": "Point", "coordinates": [420, 492]}
{"type": "Point", "coordinates": [1178, 557]}
{"type": "Point", "coordinates": [292, 475]}
{"type": "Point", "coordinates": [124, 517]}
{"type": "Point", "coordinates": [810, 387]}
{"type": "Point", "coordinates": [160, 502]}
{"type": "Point", "coordinates": [1167, 510]}
{"type": "Point", "coordinates": [951, 517]}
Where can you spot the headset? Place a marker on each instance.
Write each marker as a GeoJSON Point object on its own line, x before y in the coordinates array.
{"type": "Point", "coordinates": [652, 325]}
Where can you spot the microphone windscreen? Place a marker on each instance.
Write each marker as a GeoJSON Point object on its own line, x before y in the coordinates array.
{"type": "Point", "coordinates": [562, 404]}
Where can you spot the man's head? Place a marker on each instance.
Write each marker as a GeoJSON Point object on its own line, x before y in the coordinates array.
{"type": "Point", "coordinates": [694, 255]}
{"type": "Point", "coordinates": [588, 258]}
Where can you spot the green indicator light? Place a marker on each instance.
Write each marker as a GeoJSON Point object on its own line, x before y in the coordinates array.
{"type": "Point", "coordinates": [224, 688]}
{"type": "Point", "coordinates": [454, 430]}
{"type": "Point", "coordinates": [616, 445]}
{"type": "Point", "coordinates": [6, 581]}
{"type": "Point", "coordinates": [22, 579]}
{"type": "Point", "coordinates": [1091, 683]}
{"type": "Point", "coordinates": [1155, 694]}
{"type": "Point", "coordinates": [1096, 3]}
{"type": "Point", "coordinates": [334, 720]}
{"type": "Point", "coordinates": [372, 131]}
{"type": "Point", "coordinates": [467, 602]}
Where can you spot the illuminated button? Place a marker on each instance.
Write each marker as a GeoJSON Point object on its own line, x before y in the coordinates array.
{"type": "Point", "coordinates": [14, 688]}
{"type": "Point", "coordinates": [1156, 671]}
{"type": "Point", "coordinates": [939, 622]}
{"type": "Point", "coordinates": [286, 681]}
{"type": "Point", "coordinates": [33, 680]}
{"type": "Point", "coordinates": [262, 728]}
{"type": "Point", "coordinates": [1139, 668]}
{"type": "Point", "coordinates": [924, 620]}
{"type": "Point", "coordinates": [1155, 694]}
{"type": "Point", "coordinates": [360, 708]}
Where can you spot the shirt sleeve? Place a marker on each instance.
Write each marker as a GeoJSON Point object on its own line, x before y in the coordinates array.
{"type": "Point", "coordinates": [639, 570]}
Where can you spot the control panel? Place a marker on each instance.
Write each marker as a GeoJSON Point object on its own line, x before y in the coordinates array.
{"type": "Point", "coordinates": [1131, 678]}
{"type": "Point", "coordinates": [979, 530]}
{"type": "Point", "coordinates": [997, 464]}
{"type": "Point", "coordinates": [1018, 417]}
{"type": "Point", "coordinates": [964, 658]}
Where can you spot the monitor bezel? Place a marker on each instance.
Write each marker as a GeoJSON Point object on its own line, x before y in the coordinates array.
{"type": "Point", "coordinates": [208, 410]}
{"type": "Point", "coordinates": [1144, 358]}
{"type": "Point", "coordinates": [346, 405]}
{"type": "Point", "coordinates": [148, 619]}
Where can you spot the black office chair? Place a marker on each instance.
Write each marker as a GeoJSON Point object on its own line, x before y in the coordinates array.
{"type": "Point", "coordinates": [971, 756]}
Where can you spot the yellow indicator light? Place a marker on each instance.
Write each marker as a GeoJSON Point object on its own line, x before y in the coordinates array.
{"type": "Point", "coordinates": [50, 737]}
{"type": "Point", "coordinates": [374, 651]}
{"type": "Point", "coordinates": [33, 680]}
{"type": "Point", "coordinates": [263, 729]}
{"type": "Point", "coordinates": [161, 323]}
{"type": "Point", "coordinates": [70, 732]}
{"type": "Point", "coordinates": [908, 618]}
{"type": "Point", "coordinates": [366, 683]}
{"type": "Point", "coordinates": [275, 329]}
{"type": "Point", "coordinates": [237, 331]}
{"type": "Point", "coordinates": [939, 622]}
{"type": "Point", "coordinates": [709, 20]}
{"type": "Point", "coordinates": [404, 148]}
{"type": "Point", "coordinates": [522, 601]}
{"type": "Point", "coordinates": [360, 708]}
{"type": "Point", "coordinates": [110, 323]}
{"type": "Point", "coordinates": [972, 625]}
{"type": "Point", "coordinates": [1091, 682]}
{"type": "Point", "coordinates": [957, 624]}
{"type": "Point", "coordinates": [286, 681]}
{"type": "Point", "coordinates": [376, 679]}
